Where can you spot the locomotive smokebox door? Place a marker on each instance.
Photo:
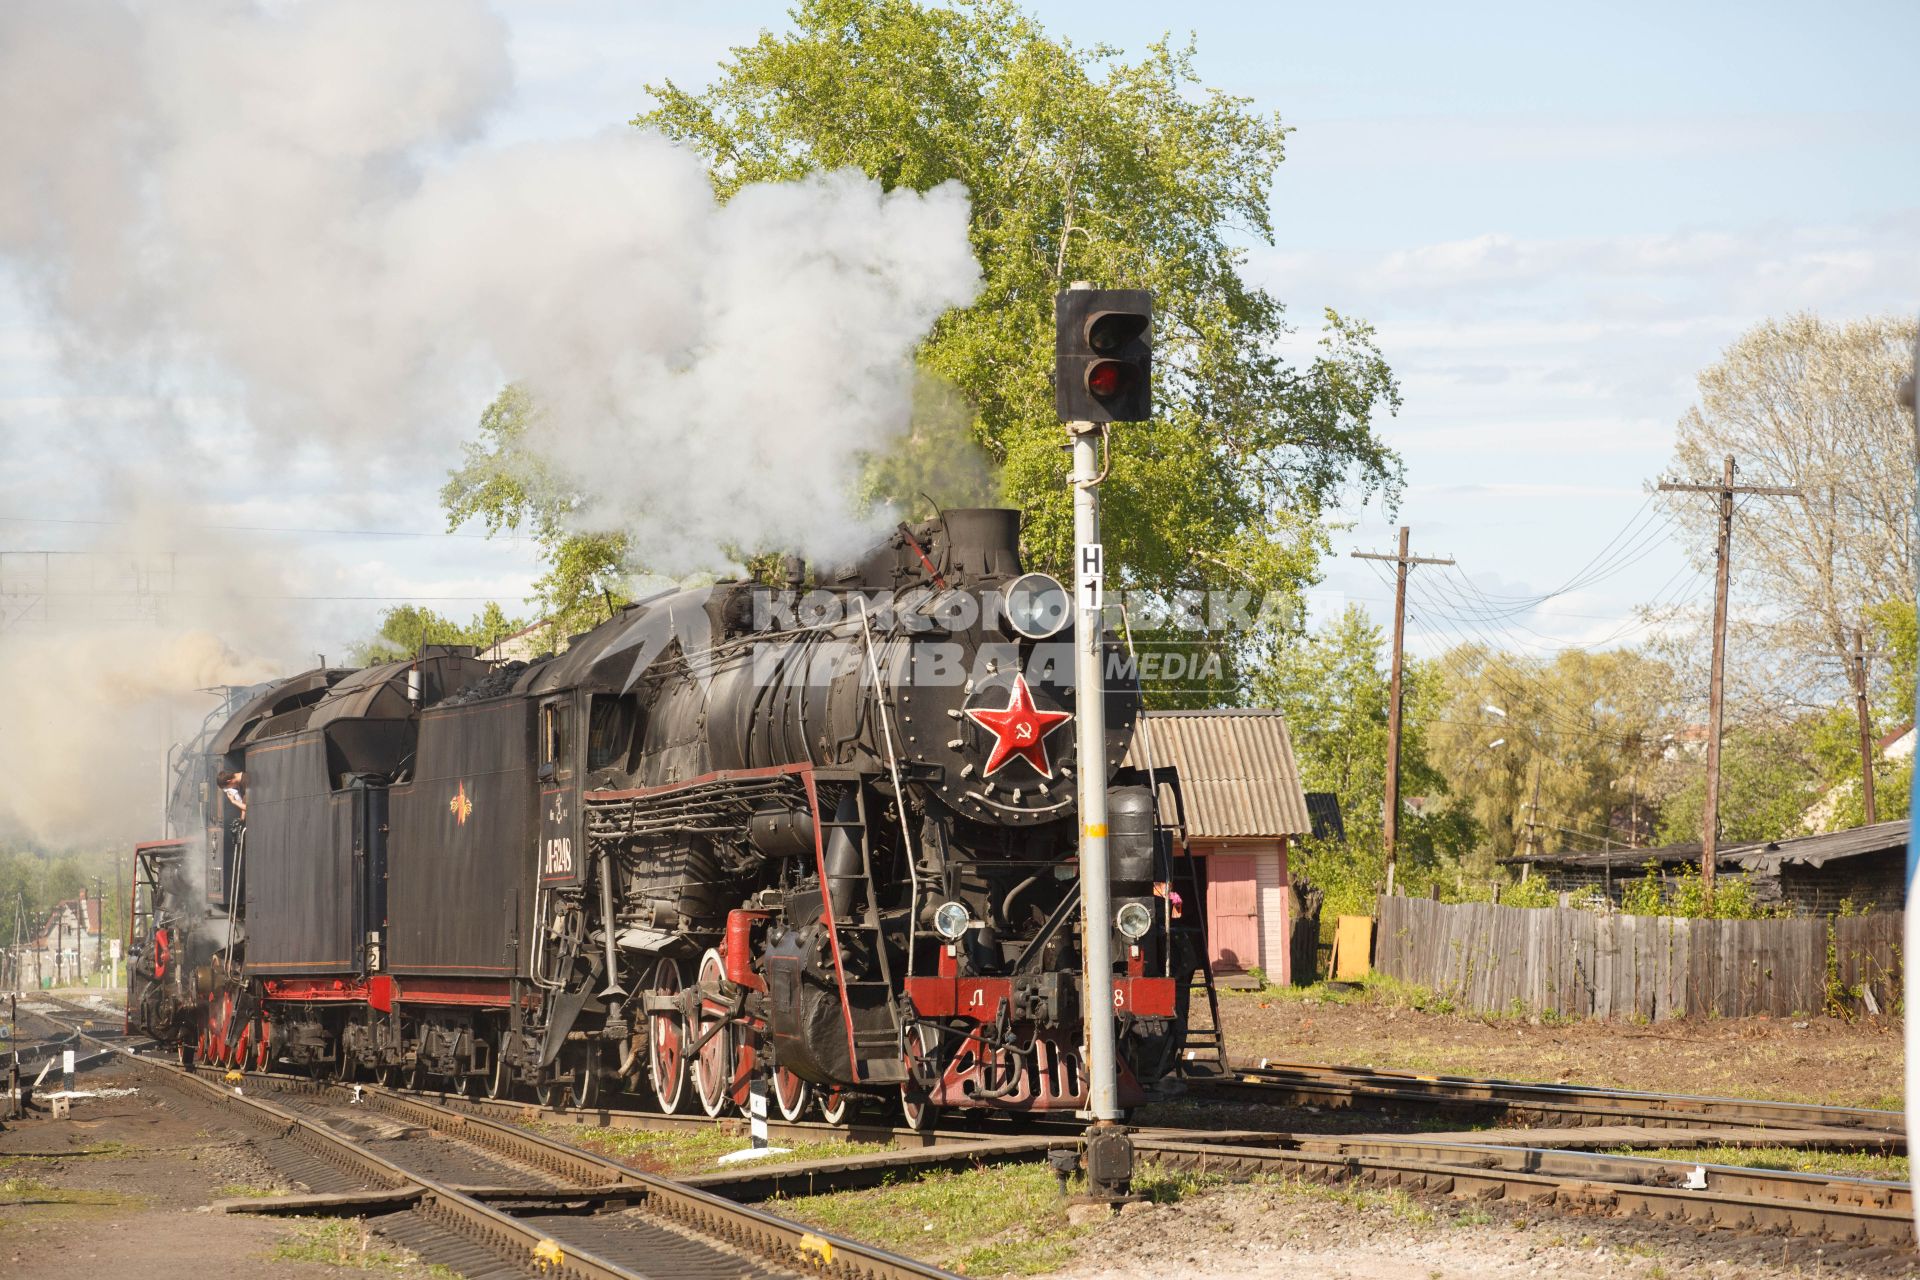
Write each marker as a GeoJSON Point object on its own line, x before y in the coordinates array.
{"type": "Point", "coordinates": [562, 863]}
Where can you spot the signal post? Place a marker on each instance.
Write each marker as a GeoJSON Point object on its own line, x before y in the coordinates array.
{"type": "Point", "coordinates": [1102, 374]}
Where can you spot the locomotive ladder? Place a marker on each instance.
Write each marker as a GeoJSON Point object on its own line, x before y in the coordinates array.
{"type": "Point", "coordinates": [1208, 1043]}
{"type": "Point", "coordinates": [876, 1049]}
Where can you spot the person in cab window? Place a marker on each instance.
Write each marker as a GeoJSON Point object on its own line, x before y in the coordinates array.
{"type": "Point", "coordinates": [234, 787]}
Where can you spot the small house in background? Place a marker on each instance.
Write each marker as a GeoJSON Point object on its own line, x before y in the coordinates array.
{"type": "Point", "coordinates": [1865, 867]}
{"type": "Point", "coordinates": [1244, 809]}
{"type": "Point", "coordinates": [524, 645]}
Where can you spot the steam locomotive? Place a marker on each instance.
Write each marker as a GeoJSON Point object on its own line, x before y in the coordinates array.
{"type": "Point", "coordinates": [819, 835]}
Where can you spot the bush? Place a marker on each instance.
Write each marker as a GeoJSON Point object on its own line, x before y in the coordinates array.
{"type": "Point", "coordinates": [1733, 897]}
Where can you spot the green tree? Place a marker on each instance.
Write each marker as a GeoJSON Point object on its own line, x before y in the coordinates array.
{"type": "Point", "coordinates": [1768, 778]}
{"type": "Point", "coordinates": [1081, 164]}
{"type": "Point", "coordinates": [509, 488]}
{"type": "Point", "coordinates": [405, 628]}
{"type": "Point", "coordinates": [1584, 731]}
{"type": "Point", "coordinates": [1334, 688]}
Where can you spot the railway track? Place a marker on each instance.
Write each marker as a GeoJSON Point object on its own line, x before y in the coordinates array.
{"type": "Point", "coordinates": [1858, 1211]}
{"type": "Point", "coordinates": [582, 1187]}
{"type": "Point", "coordinates": [1514, 1102]}
{"type": "Point", "coordinates": [490, 1198]}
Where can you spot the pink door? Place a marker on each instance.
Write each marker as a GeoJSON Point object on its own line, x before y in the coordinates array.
{"type": "Point", "coordinates": [1233, 911]}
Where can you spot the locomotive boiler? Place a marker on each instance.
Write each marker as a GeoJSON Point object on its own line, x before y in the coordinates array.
{"type": "Point", "coordinates": [820, 833]}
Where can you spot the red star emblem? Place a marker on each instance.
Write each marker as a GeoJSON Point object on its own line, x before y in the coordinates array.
{"type": "Point", "coordinates": [1020, 729]}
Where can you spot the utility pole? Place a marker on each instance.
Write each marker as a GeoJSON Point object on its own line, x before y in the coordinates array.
{"type": "Point", "coordinates": [1725, 491]}
{"type": "Point", "coordinates": [1857, 659]}
{"type": "Point", "coordinates": [1533, 814]}
{"type": "Point", "coordinates": [1402, 562]}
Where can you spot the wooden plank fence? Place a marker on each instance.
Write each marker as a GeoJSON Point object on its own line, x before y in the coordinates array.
{"type": "Point", "coordinates": [1584, 964]}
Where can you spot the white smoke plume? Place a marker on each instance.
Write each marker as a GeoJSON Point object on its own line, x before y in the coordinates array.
{"type": "Point", "coordinates": [285, 203]}
{"type": "Point", "coordinates": [274, 225]}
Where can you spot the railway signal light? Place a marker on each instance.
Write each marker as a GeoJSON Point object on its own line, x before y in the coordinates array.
{"type": "Point", "coordinates": [1103, 355]}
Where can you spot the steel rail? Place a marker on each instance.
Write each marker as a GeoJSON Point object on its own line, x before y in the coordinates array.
{"type": "Point", "coordinates": [595, 1176]}
{"type": "Point", "coordinates": [730, 1226]}
{"type": "Point", "coordinates": [1854, 1210]}
{"type": "Point", "coordinates": [1363, 1088]}
{"type": "Point", "coordinates": [1836, 1208]}
{"type": "Point", "coordinates": [750, 1183]}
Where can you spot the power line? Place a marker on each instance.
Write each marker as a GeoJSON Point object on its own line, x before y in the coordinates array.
{"type": "Point", "coordinates": [262, 528]}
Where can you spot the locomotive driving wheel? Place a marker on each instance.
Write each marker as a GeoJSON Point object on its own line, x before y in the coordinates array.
{"type": "Point", "coordinates": [835, 1104]}
{"type": "Point", "coordinates": [500, 1083]}
{"type": "Point", "coordinates": [226, 1035]}
{"type": "Point", "coordinates": [240, 1044]}
{"type": "Point", "coordinates": [790, 1094]}
{"type": "Point", "coordinates": [583, 1083]}
{"type": "Point", "coordinates": [667, 1042]}
{"type": "Point", "coordinates": [713, 1064]}
{"type": "Point", "coordinates": [922, 1055]}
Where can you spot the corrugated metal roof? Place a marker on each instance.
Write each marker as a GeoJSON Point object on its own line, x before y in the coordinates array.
{"type": "Point", "coordinates": [1764, 855]}
{"type": "Point", "coordinates": [1237, 771]}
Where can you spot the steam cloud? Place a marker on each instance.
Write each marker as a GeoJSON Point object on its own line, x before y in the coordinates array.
{"type": "Point", "coordinates": [287, 201]}
{"type": "Point", "coordinates": [286, 208]}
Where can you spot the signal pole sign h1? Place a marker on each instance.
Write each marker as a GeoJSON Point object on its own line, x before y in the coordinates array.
{"type": "Point", "coordinates": [1103, 367]}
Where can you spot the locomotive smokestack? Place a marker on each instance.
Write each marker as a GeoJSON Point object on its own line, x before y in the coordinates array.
{"type": "Point", "coordinates": [983, 541]}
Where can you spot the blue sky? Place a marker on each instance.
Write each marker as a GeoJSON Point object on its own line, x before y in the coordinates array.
{"type": "Point", "coordinates": [1553, 214]}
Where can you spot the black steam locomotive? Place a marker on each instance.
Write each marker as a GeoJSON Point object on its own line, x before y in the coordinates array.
{"type": "Point", "coordinates": [821, 834]}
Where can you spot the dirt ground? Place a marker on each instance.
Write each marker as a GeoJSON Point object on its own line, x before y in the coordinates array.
{"type": "Point", "coordinates": [1291, 1229]}
{"type": "Point", "coordinates": [119, 1188]}
{"type": "Point", "coordinates": [1802, 1060]}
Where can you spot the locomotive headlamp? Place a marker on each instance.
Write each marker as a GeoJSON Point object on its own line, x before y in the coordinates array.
{"type": "Point", "coordinates": [1133, 919]}
{"type": "Point", "coordinates": [1037, 606]}
{"type": "Point", "coordinates": [951, 921]}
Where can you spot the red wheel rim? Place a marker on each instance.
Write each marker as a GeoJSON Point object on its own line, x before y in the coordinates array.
{"type": "Point", "coordinates": [236, 1036]}
{"type": "Point", "coordinates": [261, 1045]}
{"type": "Point", "coordinates": [666, 1042]}
{"type": "Point", "coordinates": [713, 1069]}
{"type": "Point", "coordinates": [745, 1055]}
{"type": "Point", "coordinates": [789, 1093]}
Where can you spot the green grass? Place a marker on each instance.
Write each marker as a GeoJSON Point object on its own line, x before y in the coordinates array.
{"type": "Point", "coordinates": [246, 1191]}
{"type": "Point", "coordinates": [24, 1191]}
{"type": "Point", "coordinates": [1008, 1220]}
{"type": "Point", "coordinates": [1851, 1164]}
{"type": "Point", "coordinates": [35, 1205]}
{"type": "Point", "coordinates": [346, 1242]}
{"type": "Point", "coordinates": [686, 1151]}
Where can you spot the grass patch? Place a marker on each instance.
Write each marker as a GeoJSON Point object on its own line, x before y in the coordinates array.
{"type": "Point", "coordinates": [686, 1151]}
{"type": "Point", "coordinates": [1850, 1164]}
{"type": "Point", "coordinates": [1007, 1220]}
{"type": "Point", "coordinates": [29, 1202]}
{"type": "Point", "coordinates": [26, 1191]}
{"type": "Point", "coordinates": [246, 1191]}
{"type": "Point", "coordinates": [346, 1242]}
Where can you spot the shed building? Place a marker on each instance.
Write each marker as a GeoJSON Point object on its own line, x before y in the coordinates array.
{"type": "Point", "coordinates": [1864, 868]}
{"type": "Point", "coordinates": [1244, 809]}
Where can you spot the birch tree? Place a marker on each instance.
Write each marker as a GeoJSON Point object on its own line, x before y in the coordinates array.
{"type": "Point", "coordinates": [1809, 404]}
